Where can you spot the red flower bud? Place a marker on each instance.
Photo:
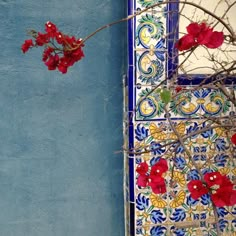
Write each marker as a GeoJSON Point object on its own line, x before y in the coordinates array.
{"type": "Point", "coordinates": [178, 89]}
{"type": "Point", "coordinates": [26, 45]}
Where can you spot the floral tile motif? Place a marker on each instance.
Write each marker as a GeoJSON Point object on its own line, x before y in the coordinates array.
{"type": "Point", "coordinates": [187, 104]}
{"type": "Point", "coordinates": [150, 47]}
{"type": "Point", "coordinates": [150, 66]}
{"type": "Point", "coordinates": [210, 148]}
{"type": "Point", "coordinates": [150, 32]}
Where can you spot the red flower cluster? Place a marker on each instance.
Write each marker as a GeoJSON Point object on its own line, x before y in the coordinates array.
{"type": "Point", "coordinates": [61, 51]}
{"type": "Point", "coordinates": [154, 179]}
{"type": "Point", "coordinates": [200, 34]}
{"type": "Point", "coordinates": [221, 189]}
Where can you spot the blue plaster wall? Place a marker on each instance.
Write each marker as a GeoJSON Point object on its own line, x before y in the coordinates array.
{"type": "Point", "coordinates": [59, 174]}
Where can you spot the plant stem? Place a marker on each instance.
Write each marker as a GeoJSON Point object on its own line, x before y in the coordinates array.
{"type": "Point", "coordinates": [154, 6]}
{"type": "Point", "coordinates": [183, 138]}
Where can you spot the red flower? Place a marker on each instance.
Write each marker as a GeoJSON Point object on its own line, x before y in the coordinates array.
{"type": "Point", "coordinates": [215, 178]}
{"type": "Point", "coordinates": [220, 186]}
{"type": "Point", "coordinates": [142, 180]}
{"type": "Point", "coordinates": [159, 168]}
{"type": "Point", "coordinates": [223, 193]}
{"type": "Point", "coordinates": [155, 180]}
{"type": "Point", "coordinates": [142, 168]}
{"type": "Point", "coordinates": [195, 29]}
{"type": "Point", "coordinates": [63, 65]}
{"type": "Point", "coordinates": [158, 184]}
{"type": "Point", "coordinates": [51, 29]}
{"type": "Point", "coordinates": [200, 34]}
{"type": "Point", "coordinates": [186, 42]}
{"type": "Point", "coordinates": [60, 38]}
{"type": "Point", "coordinates": [42, 39]}
{"type": "Point", "coordinates": [196, 189]}
{"type": "Point", "coordinates": [216, 40]}
{"type": "Point", "coordinates": [26, 45]}
{"type": "Point", "coordinates": [46, 53]}
{"type": "Point", "coordinates": [52, 62]}
{"type": "Point", "coordinates": [233, 139]}
{"type": "Point", "coordinates": [224, 196]}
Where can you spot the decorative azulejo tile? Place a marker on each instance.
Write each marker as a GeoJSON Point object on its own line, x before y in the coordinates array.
{"type": "Point", "coordinates": [150, 32]}
{"type": "Point", "coordinates": [187, 104]}
{"type": "Point", "coordinates": [150, 49]}
{"type": "Point", "coordinates": [151, 137]}
{"type": "Point", "coordinates": [150, 67]}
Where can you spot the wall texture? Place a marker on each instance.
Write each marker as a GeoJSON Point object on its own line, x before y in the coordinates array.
{"type": "Point", "coordinates": [59, 174]}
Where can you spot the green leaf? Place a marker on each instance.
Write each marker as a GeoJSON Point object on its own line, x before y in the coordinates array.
{"type": "Point", "coordinates": [166, 96]}
{"type": "Point", "coordinates": [158, 90]}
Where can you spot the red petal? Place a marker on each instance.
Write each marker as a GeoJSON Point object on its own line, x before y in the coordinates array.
{"type": "Point", "coordinates": [196, 189]}
{"type": "Point", "coordinates": [213, 178]}
{"type": "Point", "coordinates": [233, 198]}
{"type": "Point", "coordinates": [62, 69]}
{"type": "Point", "coordinates": [156, 178]}
{"type": "Point", "coordinates": [159, 186]}
{"type": "Point", "coordinates": [50, 27]}
{"type": "Point", "coordinates": [186, 42]}
{"type": "Point", "coordinates": [233, 139]}
{"type": "Point", "coordinates": [42, 39]}
{"type": "Point", "coordinates": [194, 29]}
{"type": "Point", "coordinates": [204, 36]}
{"type": "Point", "coordinates": [142, 180]}
{"type": "Point", "coordinates": [142, 168]}
{"type": "Point", "coordinates": [160, 167]}
{"type": "Point", "coordinates": [224, 196]}
{"type": "Point", "coordinates": [217, 200]}
{"type": "Point", "coordinates": [216, 40]}
{"type": "Point", "coordinates": [26, 45]}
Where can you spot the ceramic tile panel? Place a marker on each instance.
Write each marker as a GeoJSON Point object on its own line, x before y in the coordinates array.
{"type": "Point", "coordinates": [185, 105]}
{"type": "Point", "coordinates": [150, 137]}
